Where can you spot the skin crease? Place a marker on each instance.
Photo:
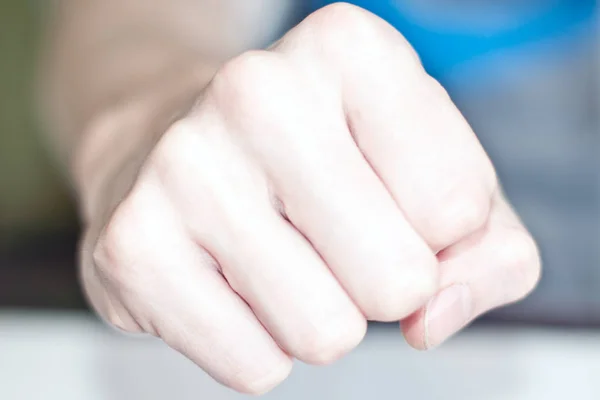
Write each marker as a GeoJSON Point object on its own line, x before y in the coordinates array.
{"type": "Point", "coordinates": [311, 187]}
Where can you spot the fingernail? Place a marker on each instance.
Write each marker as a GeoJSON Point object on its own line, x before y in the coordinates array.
{"type": "Point", "coordinates": [446, 313]}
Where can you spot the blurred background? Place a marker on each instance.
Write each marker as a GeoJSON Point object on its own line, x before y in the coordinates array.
{"type": "Point", "coordinates": [526, 75]}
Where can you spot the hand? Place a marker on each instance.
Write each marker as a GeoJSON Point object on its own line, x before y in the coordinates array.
{"type": "Point", "coordinates": [317, 185]}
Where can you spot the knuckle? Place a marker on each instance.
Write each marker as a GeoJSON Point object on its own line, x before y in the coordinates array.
{"type": "Point", "coordinates": [115, 235]}
{"type": "Point", "coordinates": [101, 257]}
{"type": "Point", "coordinates": [251, 90]}
{"type": "Point", "coordinates": [468, 213]}
{"type": "Point", "coordinates": [342, 16]}
{"type": "Point", "coordinates": [185, 152]}
{"type": "Point", "coordinates": [176, 145]}
{"type": "Point", "coordinates": [244, 77]}
{"type": "Point", "coordinates": [322, 345]}
{"type": "Point", "coordinates": [342, 26]}
{"type": "Point", "coordinates": [114, 250]}
{"type": "Point", "coordinates": [338, 25]}
{"type": "Point", "coordinates": [109, 250]}
{"type": "Point", "coordinates": [395, 299]}
{"type": "Point", "coordinates": [459, 215]}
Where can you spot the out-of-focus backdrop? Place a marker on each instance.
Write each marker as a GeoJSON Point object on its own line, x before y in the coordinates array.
{"type": "Point", "coordinates": [37, 219]}
{"type": "Point", "coordinates": [526, 75]}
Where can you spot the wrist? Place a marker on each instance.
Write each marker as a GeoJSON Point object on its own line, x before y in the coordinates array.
{"type": "Point", "coordinates": [117, 140]}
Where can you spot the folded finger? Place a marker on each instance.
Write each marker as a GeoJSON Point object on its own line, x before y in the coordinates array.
{"type": "Point", "coordinates": [174, 290]}
{"type": "Point", "coordinates": [494, 267]}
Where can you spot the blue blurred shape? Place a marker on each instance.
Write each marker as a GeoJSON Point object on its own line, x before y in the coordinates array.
{"type": "Point", "coordinates": [448, 33]}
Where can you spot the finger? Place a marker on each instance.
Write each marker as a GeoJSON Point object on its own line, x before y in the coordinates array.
{"type": "Point", "coordinates": [265, 260]}
{"type": "Point", "coordinates": [174, 290]}
{"type": "Point", "coordinates": [404, 123]}
{"type": "Point", "coordinates": [290, 289]}
{"type": "Point", "coordinates": [492, 268]}
{"type": "Point", "coordinates": [94, 285]}
{"type": "Point", "coordinates": [108, 307]}
{"type": "Point", "coordinates": [426, 155]}
{"type": "Point", "coordinates": [326, 188]}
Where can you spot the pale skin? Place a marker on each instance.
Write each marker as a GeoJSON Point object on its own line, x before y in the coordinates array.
{"type": "Point", "coordinates": [252, 207]}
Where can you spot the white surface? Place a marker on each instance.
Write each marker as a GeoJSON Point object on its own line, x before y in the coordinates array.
{"type": "Point", "coordinates": [73, 357]}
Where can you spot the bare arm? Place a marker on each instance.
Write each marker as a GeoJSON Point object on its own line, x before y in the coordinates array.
{"type": "Point", "coordinates": [116, 72]}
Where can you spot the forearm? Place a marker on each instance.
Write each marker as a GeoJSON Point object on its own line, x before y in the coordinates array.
{"type": "Point", "coordinates": [118, 71]}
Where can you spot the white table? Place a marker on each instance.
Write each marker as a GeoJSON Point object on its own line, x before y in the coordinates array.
{"type": "Point", "coordinates": [70, 356]}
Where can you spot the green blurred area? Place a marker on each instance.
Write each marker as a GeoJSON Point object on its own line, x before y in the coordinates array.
{"type": "Point", "coordinates": [33, 195]}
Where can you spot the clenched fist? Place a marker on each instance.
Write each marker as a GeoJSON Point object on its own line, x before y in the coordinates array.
{"type": "Point", "coordinates": [314, 186]}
